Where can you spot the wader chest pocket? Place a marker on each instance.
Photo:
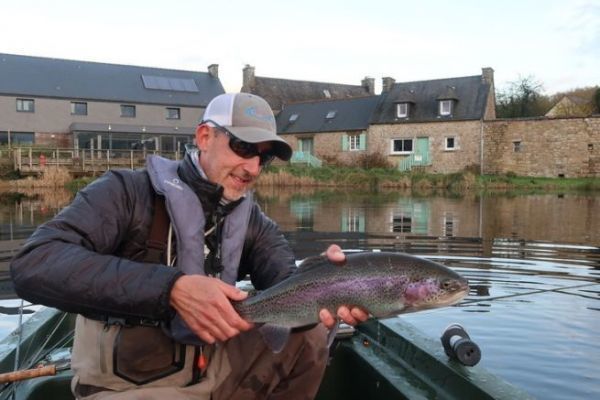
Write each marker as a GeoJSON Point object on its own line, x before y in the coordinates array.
{"type": "Point", "coordinates": [144, 354]}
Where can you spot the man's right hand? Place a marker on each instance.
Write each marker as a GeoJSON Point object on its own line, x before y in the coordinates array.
{"type": "Point", "coordinates": [204, 303]}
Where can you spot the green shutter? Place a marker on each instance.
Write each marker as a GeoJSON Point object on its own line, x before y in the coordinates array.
{"type": "Point", "coordinates": [344, 142]}
{"type": "Point", "coordinates": [363, 141]}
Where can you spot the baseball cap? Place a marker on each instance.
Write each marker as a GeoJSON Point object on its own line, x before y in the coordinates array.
{"type": "Point", "coordinates": [249, 118]}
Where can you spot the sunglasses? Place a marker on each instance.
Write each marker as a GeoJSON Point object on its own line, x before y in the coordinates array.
{"type": "Point", "coordinates": [243, 149]}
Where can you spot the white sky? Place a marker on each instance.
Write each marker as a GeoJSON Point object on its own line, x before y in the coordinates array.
{"type": "Point", "coordinates": [556, 41]}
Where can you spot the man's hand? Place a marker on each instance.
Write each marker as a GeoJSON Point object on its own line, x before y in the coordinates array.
{"type": "Point", "coordinates": [350, 316]}
{"type": "Point", "coordinates": [204, 304]}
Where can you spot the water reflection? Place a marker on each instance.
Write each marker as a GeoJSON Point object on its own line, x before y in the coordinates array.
{"type": "Point", "coordinates": [532, 226]}
{"type": "Point", "coordinates": [533, 264]}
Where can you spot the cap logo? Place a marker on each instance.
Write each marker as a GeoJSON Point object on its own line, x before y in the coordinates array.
{"type": "Point", "coordinates": [251, 112]}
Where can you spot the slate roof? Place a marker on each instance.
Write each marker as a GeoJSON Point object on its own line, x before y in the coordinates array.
{"type": "Point", "coordinates": [350, 114]}
{"type": "Point", "coordinates": [84, 80]}
{"type": "Point", "coordinates": [470, 94]}
{"type": "Point", "coordinates": [279, 93]}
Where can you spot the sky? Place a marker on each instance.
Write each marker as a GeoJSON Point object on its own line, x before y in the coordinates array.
{"type": "Point", "coordinates": [556, 42]}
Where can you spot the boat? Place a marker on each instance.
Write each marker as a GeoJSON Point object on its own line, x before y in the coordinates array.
{"type": "Point", "coordinates": [379, 359]}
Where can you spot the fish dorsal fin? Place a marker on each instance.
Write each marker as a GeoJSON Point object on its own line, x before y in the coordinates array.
{"type": "Point", "coordinates": [310, 263]}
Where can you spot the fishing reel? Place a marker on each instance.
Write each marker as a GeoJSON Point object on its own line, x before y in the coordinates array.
{"type": "Point", "coordinates": [459, 346]}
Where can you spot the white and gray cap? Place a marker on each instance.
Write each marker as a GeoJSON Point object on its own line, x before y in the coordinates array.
{"type": "Point", "coordinates": [249, 118]}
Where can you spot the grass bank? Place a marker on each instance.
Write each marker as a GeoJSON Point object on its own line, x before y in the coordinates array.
{"type": "Point", "coordinates": [389, 178]}
{"type": "Point", "coordinates": [348, 177]}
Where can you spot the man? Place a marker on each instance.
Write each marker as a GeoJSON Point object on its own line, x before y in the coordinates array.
{"type": "Point", "coordinates": [155, 316]}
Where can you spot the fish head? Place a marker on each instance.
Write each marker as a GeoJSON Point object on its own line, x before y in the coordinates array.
{"type": "Point", "coordinates": [441, 288]}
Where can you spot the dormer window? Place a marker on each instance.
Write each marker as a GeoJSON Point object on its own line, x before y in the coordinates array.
{"type": "Point", "coordinates": [402, 110]}
{"type": "Point", "coordinates": [293, 118]}
{"type": "Point", "coordinates": [445, 107]}
{"type": "Point", "coordinates": [331, 114]}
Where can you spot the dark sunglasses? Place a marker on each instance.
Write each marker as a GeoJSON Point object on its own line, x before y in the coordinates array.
{"type": "Point", "coordinates": [243, 149]}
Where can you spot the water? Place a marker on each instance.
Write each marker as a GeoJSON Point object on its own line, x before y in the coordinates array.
{"type": "Point", "coordinates": [533, 263]}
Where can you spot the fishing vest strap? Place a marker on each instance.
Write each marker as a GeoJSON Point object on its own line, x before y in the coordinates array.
{"type": "Point", "coordinates": [156, 244]}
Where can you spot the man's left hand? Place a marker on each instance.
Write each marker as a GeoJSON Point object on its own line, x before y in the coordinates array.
{"type": "Point", "coordinates": [351, 316]}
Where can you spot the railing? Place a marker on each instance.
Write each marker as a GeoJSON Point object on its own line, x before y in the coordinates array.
{"type": "Point", "coordinates": [414, 160]}
{"type": "Point", "coordinates": [304, 157]}
{"type": "Point", "coordinates": [31, 160]}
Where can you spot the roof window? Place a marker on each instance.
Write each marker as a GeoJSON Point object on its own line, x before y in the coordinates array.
{"type": "Point", "coordinates": [293, 118]}
{"type": "Point", "coordinates": [331, 114]}
{"type": "Point", "coordinates": [326, 93]}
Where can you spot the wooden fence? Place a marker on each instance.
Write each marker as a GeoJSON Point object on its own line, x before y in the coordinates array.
{"type": "Point", "coordinates": [34, 160]}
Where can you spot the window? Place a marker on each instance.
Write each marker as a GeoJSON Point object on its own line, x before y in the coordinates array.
{"type": "Point", "coordinates": [451, 143]}
{"type": "Point", "coordinates": [293, 118]}
{"type": "Point", "coordinates": [331, 114]}
{"type": "Point", "coordinates": [25, 105]}
{"type": "Point", "coordinates": [78, 108]}
{"type": "Point", "coordinates": [517, 146]}
{"type": "Point", "coordinates": [17, 137]}
{"type": "Point", "coordinates": [353, 142]}
{"type": "Point", "coordinates": [445, 107]}
{"type": "Point", "coordinates": [402, 110]}
{"type": "Point", "coordinates": [327, 93]}
{"type": "Point", "coordinates": [173, 113]}
{"type": "Point", "coordinates": [400, 146]}
{"type": "Point", "coordinates": [127, 111]}
{"type": "Point", "coordinates": [402, 223]}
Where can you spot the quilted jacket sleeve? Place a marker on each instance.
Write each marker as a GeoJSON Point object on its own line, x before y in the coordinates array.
{"type": "Point", "coordinates": [268, 257]}
{"type": "Point", "coordinates": [68, 262]}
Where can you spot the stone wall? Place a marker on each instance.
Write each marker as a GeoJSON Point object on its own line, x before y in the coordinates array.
{"type": "Point", "coordinates": [567, 147]}
{"type": "Point", "coordinates": [328, 145]}
{"type": "Point", "coordinates": [466, 133]}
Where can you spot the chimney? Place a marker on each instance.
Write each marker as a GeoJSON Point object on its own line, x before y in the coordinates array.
{"type": "Point", "coordinates": [213, 70]}
{"type": "Point", "coordinates": [369, 84]}
{"type": "Point", "coordinates": [487, 75]}
{"type": "Point", "coordinates": [248, 77]}
{"type": "Point", "coordinates": [386, 84]}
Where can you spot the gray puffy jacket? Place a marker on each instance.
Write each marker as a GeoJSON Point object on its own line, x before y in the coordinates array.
{"type": "Point", "coordinates": [87, 259]}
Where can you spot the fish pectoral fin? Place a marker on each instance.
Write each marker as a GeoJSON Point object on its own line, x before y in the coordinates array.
{"type": "Point", "coordinates": [331, 335]}
{"type": "Point", "coordinates": [275, 336]}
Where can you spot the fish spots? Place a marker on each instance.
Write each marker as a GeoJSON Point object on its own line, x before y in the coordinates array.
{"type": "Point", "coordinates": [421, 291]}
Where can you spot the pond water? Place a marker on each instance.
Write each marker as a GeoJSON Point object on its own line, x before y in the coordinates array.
{"type": "Point", "coordinates": [533, 262]}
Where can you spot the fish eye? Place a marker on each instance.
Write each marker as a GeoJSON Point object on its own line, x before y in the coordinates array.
{"type": "Point", "coordinates": [448, 284]}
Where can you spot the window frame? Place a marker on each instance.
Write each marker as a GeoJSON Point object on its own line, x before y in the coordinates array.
{"type": "Point", "coordinates": [128, 107]}
{"type": "Point", "coordinates": [21, 101]}
{"type": "Point", "coordinates": [455, 143]}
{"type": "Point", "coordinates": [354, 142]}
{"type": "Point", "coordinates": [517, 146]}
{"type": "Point", "coordinates": [177, 109]}
{"type": "Point", "coordinates": [441, 110]}
{"type": "Point", "coordinates": [403, 140]}
{"type": "Point", "coordinates": [74, 107]}
{"type": "Point", "coordinates": [400, 114]}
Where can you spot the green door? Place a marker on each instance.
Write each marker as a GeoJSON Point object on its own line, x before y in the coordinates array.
{"type": "Point", "coordinates": [422, 151]}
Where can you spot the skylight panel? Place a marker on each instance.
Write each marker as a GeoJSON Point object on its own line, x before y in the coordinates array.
{"type": "Point", "coordinates": [293, 118]}
{"type": "Point", "coordinates": [169, 83]}
{"type": "Point", "coordinates": [331, 114]}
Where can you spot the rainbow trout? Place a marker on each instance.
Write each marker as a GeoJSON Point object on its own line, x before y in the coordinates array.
{"type": "Point", "coordinates": [384, 283]}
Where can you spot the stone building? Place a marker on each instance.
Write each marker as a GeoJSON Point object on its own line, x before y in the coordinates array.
{"type": "Point", "coordinates": [334, 131]}
{"type": "Point", "coordinates": [434, 125]}
{"type": "Point", "coordinates": [89, 105]}
{"type": "Point", "coordinates": [279, 93]}
{"type": "Point", "coordinates": [558, 147]}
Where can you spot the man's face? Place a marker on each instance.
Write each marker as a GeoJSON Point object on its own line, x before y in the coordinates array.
{"type": "Point", "coordinates": [222, 166]}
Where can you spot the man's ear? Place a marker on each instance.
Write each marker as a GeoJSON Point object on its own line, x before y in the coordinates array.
{"type": "Point", "coordinates": [202, 135]}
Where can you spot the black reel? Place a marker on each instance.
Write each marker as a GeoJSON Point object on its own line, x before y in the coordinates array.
{"type": "Point", "coordinates": [459, 346]}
